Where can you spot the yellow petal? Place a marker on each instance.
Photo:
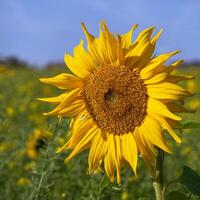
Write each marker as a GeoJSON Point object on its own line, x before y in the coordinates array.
{"type": "Point", "coordinates": [75, 66]}
{"type": "Point", "coordinates": [145, 147]}
{"type": "Point", "coordinates": [70, 98]}
{"type": "Point", "coordinates": [170, 130]}
{"type": "Point", "coordinates": [129, 150]}
{"type": "Point", "coordinates": [127, 37]}
{"type": "Point", "coordinates": [81, 119]}
{"type": "Point", "coordinates": [156, 79]}
{"type": "Point", "coordinates": [155, 66]}
{"type": "Point", "coordinates": [173, 66]}
{"type": "Point", "coordinates": [167, 90]}
{"type": "Point", "coordinates": [151, 131]}
{"type": "Point", "coordinates": [109, 160]}
{"type": "Point", "coordinates": [111, 44]}
{"type": "Point", "coordinates": [83, 58]}
{"type": "Point", "coordinates": [118, 160]}
{"type": "Point", "coordinates": [89, 37]}
{"type": "Point", "coordinates": [144, 35]}
{"type": "Point", "coordinates": [120, 52]}
{"type": "Point", "coordinates": [77, 135]}
{"type": "Point", "coordinates": [74, 109]}
{"type": "Point", "coordinates": [164, 95]}
{"type": "Point", "coordinates": [106, 49]}
{"type": "Point", "coordinates": [97, 152]}
{"type": "Point", "coordinates": [92, 46]}
{"type": "Point", "coordinates": [84, 143]}
{"type": "Point", "coordinates": [158, 107]}
{"type": "Point", "coordinates": [156, 37]}
{"type": "Point", "coordinates": [167, 85]}
{"type": "Point", "coordinates": [145, 57]}
{"type": "Point", "coordinates": [54, 100]}
{"type": "Point", "coordinates": [141, 50]}
{"type": "Point", "coordinates": [64, 81]}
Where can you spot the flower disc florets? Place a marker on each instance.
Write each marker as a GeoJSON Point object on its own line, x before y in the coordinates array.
{"type": "Point", "coordinates": [116, 98]}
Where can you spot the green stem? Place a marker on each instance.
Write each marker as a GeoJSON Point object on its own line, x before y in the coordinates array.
{"type": "Point", "coordinates": [44, 166]}
{"type": "Point", "coordinates": [158, 182]}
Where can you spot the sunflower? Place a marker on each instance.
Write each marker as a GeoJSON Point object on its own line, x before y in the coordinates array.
{"type": "Point", "coordinates": [36, 141]}
{"type": "Point", "coordinates": [120, 98]}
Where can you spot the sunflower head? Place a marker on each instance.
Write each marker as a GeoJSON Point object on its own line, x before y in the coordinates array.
{"type": "Point", "coordinates": [120, 98]}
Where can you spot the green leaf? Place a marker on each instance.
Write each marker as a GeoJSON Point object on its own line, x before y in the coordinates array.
{"type": "Point", "coordinates": [190, 125]}
{"type": "Point", "coordinates": [176, 195]}
{"type": "Point", "coordinates": [191, 180]}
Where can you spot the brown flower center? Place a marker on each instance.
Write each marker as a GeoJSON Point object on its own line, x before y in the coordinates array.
{"type": "Point", "coordinates": [116, 98]}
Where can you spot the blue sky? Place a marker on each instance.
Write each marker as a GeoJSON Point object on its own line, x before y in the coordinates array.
{"type": "Point", "coordinates": [42, 31]}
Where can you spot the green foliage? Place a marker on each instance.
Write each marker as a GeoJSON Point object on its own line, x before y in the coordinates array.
{"type": "Point", "coordinates": [176, 195]}
{"type": "Point", "coordinates": [47, 177]}
{"type": "Point", "coordinates": [191, 180]}
{"type": "Point", "coordinates": [190, 125]}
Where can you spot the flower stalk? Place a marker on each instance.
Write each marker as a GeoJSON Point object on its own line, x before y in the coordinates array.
{"type": "Point", "coordinates": [158, 181]}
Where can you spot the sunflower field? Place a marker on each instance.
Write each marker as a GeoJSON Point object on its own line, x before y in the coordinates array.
{"type": "Point", "coordinates": [31, 169]}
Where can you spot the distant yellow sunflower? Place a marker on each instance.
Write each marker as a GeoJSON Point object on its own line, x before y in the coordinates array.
{"type": "Point", "coordinates": [36, 141]}
{"type": "Point", "coordinates": [2, 69]}
{"type": "Point", "coordinates": [120, 99]}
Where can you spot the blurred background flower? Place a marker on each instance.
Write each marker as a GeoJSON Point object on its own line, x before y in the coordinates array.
{"type": "Point", "coordinates": [37, 141]}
